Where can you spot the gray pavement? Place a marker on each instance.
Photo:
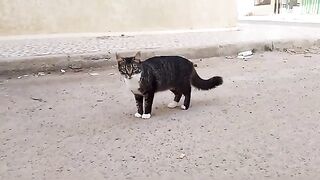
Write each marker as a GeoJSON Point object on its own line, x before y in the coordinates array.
{"type": "Point", "coordinates": [262, 123]}
{"type": "Point", "coordinates": [42, 53]}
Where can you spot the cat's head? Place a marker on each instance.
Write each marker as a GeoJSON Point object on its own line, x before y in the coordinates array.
{"type": "Point", "coordinates": [129, 66]}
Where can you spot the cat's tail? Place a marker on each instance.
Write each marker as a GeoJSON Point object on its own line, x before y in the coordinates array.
{"type": "Point", "coordinates": [203, 84]}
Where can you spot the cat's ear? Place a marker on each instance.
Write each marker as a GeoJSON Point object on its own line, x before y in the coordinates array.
{"type": "Point", "coordinates": [137, 57]}
{"type": "Point", "coordinates": [118, 57]}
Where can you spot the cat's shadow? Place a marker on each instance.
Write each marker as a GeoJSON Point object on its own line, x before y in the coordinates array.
{"type": "Point", "coordinates": [162, 110]}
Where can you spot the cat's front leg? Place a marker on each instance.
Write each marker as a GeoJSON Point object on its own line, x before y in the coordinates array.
{"type": "Point", "coordinates": [139, 103]}
{"type": "Point", "coordinates": [148, 105]}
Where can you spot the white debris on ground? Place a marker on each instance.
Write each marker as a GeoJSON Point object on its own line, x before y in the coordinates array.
{"type": "Point", "coordinates": [182, 156]}
{"type": "Point", "coordinates": [41, 74]}
{"type": "Point", "coordinates": [245, 55]}
{"type": "Point", "coordinates": [94, 74]}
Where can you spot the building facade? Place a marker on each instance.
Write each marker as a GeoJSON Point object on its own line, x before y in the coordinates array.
{"type": "Point", "coordinates": [81, 16]}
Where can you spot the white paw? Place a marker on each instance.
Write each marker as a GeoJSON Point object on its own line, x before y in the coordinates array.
{"type": "Point", "coordinates": [146, 116]}
{"type": "Point", "coordinates": [183, 107]}
{"type": "Point", "coordinates": [137, 115]}
{"type": "Point", "coordinates": [173, 104]}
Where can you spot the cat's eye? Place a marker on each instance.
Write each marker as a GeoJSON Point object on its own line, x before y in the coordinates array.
{"type": "Point", "coordinates": [137, 71]}
{"type": "Point", "coordinates": [122, 70]}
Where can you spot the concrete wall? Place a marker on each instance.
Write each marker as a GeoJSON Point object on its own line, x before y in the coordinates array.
{"type": "Point", "coordinates": [73, 16]}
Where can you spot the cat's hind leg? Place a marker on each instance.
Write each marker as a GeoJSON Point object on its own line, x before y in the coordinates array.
{"type": "Point", "coordinates": [177, 97]}
{"type": "Point", "coordinates": [187, 97]}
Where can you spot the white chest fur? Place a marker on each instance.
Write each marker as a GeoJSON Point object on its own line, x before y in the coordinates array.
{"type": "Point", "coordinates": [133, 84]}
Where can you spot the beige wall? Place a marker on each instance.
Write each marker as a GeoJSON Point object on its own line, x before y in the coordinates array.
{"type": "Point", "coordinates": [72, 16]}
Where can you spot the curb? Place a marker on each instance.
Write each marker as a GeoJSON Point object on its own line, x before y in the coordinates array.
{"type": "Point", "coordinates": [50, 63]}
{"type": "Point", "coordinates": [57, 62]}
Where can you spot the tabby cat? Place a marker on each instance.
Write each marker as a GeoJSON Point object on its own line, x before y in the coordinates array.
{"type": "Point", "coordinates": [173, 73]}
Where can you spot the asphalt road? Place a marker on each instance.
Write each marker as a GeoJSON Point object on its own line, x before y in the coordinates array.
{"type": "Point", "coordinates": [262, 123]}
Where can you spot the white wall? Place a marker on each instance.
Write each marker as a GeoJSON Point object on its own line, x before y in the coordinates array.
{"type": "Point", "coordinates": [72, 16]}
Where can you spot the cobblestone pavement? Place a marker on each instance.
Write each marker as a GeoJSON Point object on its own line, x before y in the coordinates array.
{"type": "Point", "coordinates": [16, 48]}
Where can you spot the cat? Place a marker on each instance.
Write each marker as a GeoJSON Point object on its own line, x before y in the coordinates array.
{"type": "Point", "coordinates": [174, 73]}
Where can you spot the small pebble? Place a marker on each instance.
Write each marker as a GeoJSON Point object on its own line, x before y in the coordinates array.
{"type": "Point", "coordinates": [182, 156]}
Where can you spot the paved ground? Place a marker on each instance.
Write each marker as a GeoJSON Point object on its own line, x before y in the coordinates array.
{"type": "Point", "coordinates": [263, 123]}
{"type": "Point", "coordinates": [41, 46]}
{"type": "Point", "coordinates": [290, 18]}
{"type": "Point", "coordinates": [55, 52]}
{"type": "Point", "coordinates": [21, 54]}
